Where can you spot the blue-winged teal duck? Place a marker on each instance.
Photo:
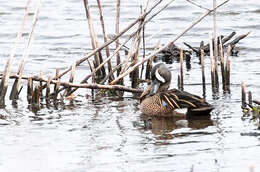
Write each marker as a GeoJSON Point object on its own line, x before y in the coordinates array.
{"type": "Point", "coordinates": [157, 100]}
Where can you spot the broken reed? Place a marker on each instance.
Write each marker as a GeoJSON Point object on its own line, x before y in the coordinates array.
{"type": "Point", "coordinates": [224, 65]}
{"type": "Point", "coordinates": [203, 73]}
{"type": "Point", "coordinates": [243, 95]}
{"type": "Point", "coordinates": [180, 77]}
{"type": "Point", "coordinates": [244, 103]}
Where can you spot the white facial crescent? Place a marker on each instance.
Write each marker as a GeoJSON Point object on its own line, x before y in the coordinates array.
{"type": "Point", "coordinates": [159, 77]}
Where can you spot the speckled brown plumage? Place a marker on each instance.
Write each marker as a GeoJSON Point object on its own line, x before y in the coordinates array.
{"type": "Point", "coordinates": [157, 100]}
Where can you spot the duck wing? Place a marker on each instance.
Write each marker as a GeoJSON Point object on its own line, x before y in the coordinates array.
{"type": "Point", "coordinates": [181, 99]}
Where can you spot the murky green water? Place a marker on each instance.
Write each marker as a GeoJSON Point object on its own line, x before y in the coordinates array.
{"type": "Point", "coordinates": [110, 134]}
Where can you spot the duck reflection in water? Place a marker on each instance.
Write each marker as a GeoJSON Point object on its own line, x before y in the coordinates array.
{"type": "Point", "coordinates": [163, 125]}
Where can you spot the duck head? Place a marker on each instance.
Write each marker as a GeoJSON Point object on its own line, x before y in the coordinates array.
{"type": "Point", "coordinates": [161, 79]}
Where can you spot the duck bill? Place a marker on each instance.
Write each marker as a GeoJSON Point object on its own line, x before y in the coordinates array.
{"type": "Point", "coordinates": [155, 87]}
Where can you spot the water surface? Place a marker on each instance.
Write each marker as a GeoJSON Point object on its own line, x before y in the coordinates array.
{"type": "Point", "coordinates": [110, 134]}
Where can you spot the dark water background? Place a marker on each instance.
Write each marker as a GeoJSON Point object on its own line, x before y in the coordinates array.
{"type": "Point", "coordinates": [110, 134]}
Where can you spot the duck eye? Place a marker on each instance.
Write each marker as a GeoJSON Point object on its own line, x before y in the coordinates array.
{"type": "Point", "coordinates": [159, 77]}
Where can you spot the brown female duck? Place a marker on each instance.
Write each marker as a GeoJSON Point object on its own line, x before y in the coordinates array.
{"type": "Point", "coordinates": [157, 100]}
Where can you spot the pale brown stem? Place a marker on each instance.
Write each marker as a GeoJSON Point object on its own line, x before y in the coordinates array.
{"type": "Point", "coordinates": [4, 82]}
{"type": "Point", "coordinates": [78, 62]}
{"type": "Point", "coordinates": [118, 60]}
{"type": "Point", "coordinates": [197, 5]}
{"type": "Point", "coordinates": [213, 84]}
{"type": "Point", "coordinates": [215, 44]}
{"type": "Point", "coordinates": [105, 38]}
{"type": "Point", "coordinates": [169, 43]}
{"type": "Point", "coordinates": [94, 42]}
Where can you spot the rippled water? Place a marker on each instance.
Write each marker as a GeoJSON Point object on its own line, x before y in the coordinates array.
{"type": "Point", "coordinates": [110, 134]}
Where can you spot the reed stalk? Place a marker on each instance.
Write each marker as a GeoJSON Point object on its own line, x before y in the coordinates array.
{"type": "Point", "coordinates": [213, 84]}
{"type": "Point", "coordinates": [72, 74]}
{"type": "Point", "coordinates": [166, 45]}
{"type": "Point", "coordinates": [243, 95]}
{"type": "Point", "coordinates": [150, 62]}
{"type": "Point", "coordinates": [105, 39]}
{"type": "Point", "coordinates": [143, 37]}
{"type": "Point", "coordinates": [181, 69]}
{"type": "Point", "coordinates": [118, 60]}
{"type": "Point", "coordinates": [40, 86]}
{"type": "Point", "coordinates": [17, 82]}
{"type": "Point", "coordinates": [94, 42]}
{"type": "Point", "coordinates": [250, 100]}
{"type": "Point", "coordinates": [5, 79]}
{"type": "Point", "coordinates": [221, 52]}
{"type": "Point", "coordinates": [227, 69]}
{"type": "Point", "coordinates": [36, 99]}
{"type": "Point", "coordinates": [47, 94]}
{"type": "Point", "coordinates": [29, 89]}
{"type": "Point", "coordinates": [215, 46]}
{"type": "Point", "coordinates": [203, 73]}
{"type": "Point", "coordinates": [215, 30]}
{"type": "Point", "coordinates": [78, 62]}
